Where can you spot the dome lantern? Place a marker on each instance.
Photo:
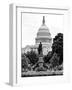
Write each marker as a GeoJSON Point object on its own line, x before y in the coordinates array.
{"type": "Point", "coordinates": [43, 22]}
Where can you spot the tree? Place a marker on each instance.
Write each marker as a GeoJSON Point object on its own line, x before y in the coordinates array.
{"type": "Point", "coordinates": [57, 46]}
{"type": "Point", "coordinates": [25, 61]}
{"type": "Point", "coordinates": [47, 57]}
{"type": "Point", "coordinates": [54, 61]}
{"type": "Point", "coordinates": [32, 56]}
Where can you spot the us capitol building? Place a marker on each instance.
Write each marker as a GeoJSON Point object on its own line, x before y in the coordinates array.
{"type": "Point", "coordinates": [43, 36]}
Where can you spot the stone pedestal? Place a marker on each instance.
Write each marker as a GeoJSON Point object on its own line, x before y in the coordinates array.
{"type": "Point", "coordinates": [40, 64]}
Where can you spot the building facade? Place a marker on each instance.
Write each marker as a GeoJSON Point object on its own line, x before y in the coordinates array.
{"type": "Point", "coordinates": [43, 36]}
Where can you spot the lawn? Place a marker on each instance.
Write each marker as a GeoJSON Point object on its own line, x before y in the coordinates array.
{"type": "Point", "coordinates": [41, 73]}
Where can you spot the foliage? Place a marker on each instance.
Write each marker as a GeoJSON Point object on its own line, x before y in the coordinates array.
{"type": "Point", "coordinates": [47, 57]}
{"type": "Point", "coordinates": [32, 56]}
{"type": "Point", "coordinates": [57, 46]}
{"type": "Point", "coordinates": [60, 67]}
{"type": "Point", "coordinates": [25, 62]}
{"type": "Point", "coordinates": [54, 61]}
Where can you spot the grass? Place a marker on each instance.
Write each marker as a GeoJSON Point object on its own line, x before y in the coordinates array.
{"type": "Point", "coordinates": [41, 73]}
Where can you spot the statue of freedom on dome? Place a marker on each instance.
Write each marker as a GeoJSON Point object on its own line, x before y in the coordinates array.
{"type": "Point", "coordinates": [40, 49]}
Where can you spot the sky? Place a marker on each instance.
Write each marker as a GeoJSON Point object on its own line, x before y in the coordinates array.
{"type": "Point", "coordinates": [32, 22]}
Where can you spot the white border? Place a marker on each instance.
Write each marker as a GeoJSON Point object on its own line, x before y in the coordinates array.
{"type": "Point", "coordinates": [15, 46]}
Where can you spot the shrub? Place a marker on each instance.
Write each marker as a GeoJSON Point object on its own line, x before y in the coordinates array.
{"type": "Point", "coordinates": [54, 61]}
{"type": "Point", "coordinates": [32, 56]}
{"type": "Point", "coordinates": [25, 62]}
{"type": "Point", "coordinates": [47, 57]}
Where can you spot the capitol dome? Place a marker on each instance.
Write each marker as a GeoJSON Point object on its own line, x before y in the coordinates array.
{"type": "Point", "coordinates": [43, 34]}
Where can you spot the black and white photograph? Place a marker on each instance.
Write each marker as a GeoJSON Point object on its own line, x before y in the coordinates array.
{"type": "Point", "coordinates": [41, 44]}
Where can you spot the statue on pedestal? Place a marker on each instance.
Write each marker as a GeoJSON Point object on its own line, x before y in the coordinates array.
{"type": "Point", "coordinates": [39, 66]}
{"type": "Point", "coordinates": [40, 62]}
